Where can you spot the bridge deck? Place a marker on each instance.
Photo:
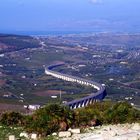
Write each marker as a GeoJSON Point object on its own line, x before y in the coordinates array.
{"type": "Point", "coordinates": [99, 95]}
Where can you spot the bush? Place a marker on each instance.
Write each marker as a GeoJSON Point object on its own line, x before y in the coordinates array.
{"type": "Point", "coordinates": [92, 113]}
{"type": "Point", "coordinates": [49, 119]}
{"type": "Point", "coordinates": [11, 119]}
{"type": "Point", "coordinates": [121, 113]}
{"type": "Point", "coordinates": [54, 117]}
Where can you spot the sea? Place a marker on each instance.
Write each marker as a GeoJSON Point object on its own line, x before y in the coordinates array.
{"type": "Point", "coordinates": [57, 33]}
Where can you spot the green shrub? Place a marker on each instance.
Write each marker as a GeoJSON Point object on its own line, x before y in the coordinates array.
{"type": "Point", "coordinates": [49, 119]}
{"type": "Point", "coordinates": [11, 119]}
{"type": "Point", "coordinates": [121, 113]}
{"type": "Point", "coordinates": [54, 117]}
{"type": "Point", "coordinates": [93, 112]}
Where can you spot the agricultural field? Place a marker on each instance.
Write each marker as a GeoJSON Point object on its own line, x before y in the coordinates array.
{"type": "Point", "coordinates": [23, 59]}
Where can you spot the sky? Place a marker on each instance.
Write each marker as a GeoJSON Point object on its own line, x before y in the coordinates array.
{"type": "Point", "coordinates": [70, 15]}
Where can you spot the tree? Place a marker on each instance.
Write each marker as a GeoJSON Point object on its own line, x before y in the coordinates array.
{"type": "Point", "coordinates": [121, 113]}
{"type": "Point", "coordinates": [49, 119]}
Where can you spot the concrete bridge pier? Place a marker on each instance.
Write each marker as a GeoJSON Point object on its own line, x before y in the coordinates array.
{"type": "Point", "coordinates": [100, 95]}
{"type": "Point", "coordinates": [86, 102]}
{"type": "Point", "coordinates": [90, 101]}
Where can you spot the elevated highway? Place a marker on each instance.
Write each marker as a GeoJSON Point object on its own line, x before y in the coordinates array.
{"type": "Point", "coordinates": [82, 102]}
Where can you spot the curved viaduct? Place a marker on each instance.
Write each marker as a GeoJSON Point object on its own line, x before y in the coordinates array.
{"type": "Point", "coordinates": [98, 96]}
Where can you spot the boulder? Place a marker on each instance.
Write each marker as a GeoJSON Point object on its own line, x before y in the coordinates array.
{"type": "Point", "coordinates": [113, 133]}
{"type": "Point", "coordinates": [54, 134]}
{"type": "Point", "coordinates": [74, 131]}
{"type": "Point", "coordinates": [136, 126]}
{"type": "Point", "coordinates": [64, 134]}
{"type": "Point", "coordinates": [92, 128]}
{"type": "Point", "coordinates": [23, 134]}
{"type": "Point", "coordinates": [133, 138]}
{"type": "Point", "coordinates": [34, 136]}
{"type": "Point", "coordinates": [98, 127]}
{"type": "Point", "coordinates": [108, 128]}
{"type": "Point", "coordinates": [12, 137]}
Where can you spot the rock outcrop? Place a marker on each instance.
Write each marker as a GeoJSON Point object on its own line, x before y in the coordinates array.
{"type": "Point", "coordinates": [110, 132]}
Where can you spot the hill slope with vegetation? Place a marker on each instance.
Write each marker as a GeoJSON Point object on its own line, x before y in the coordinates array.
{"type": "Point", "coordinates": [54, 117]}
{"type": "Point", "coordinates": [9, 43]}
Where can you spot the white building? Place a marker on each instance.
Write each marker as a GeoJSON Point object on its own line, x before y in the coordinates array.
{"type": "Point", "coordinates": [33, 107]}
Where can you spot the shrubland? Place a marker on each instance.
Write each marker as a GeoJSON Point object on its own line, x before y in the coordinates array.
{"type": "Point", "coordinates": [56, 117]}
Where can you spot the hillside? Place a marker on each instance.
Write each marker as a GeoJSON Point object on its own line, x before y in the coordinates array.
{"type": "Point", "coordinates": [9, 43]}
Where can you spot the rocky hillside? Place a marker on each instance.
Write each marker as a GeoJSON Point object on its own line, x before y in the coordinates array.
{"type": "Point", "coordinates": [109, 132]}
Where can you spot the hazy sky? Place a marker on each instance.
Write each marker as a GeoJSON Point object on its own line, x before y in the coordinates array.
{"type": "Point", "coordinates": [75, 15]}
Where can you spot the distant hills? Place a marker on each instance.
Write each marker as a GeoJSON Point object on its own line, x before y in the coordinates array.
{"type": "Point", "coordinates": [10, 43]}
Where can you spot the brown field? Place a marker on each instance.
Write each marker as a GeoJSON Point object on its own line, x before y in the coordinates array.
{"type": "Point", "coordinates": [10, 107]}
